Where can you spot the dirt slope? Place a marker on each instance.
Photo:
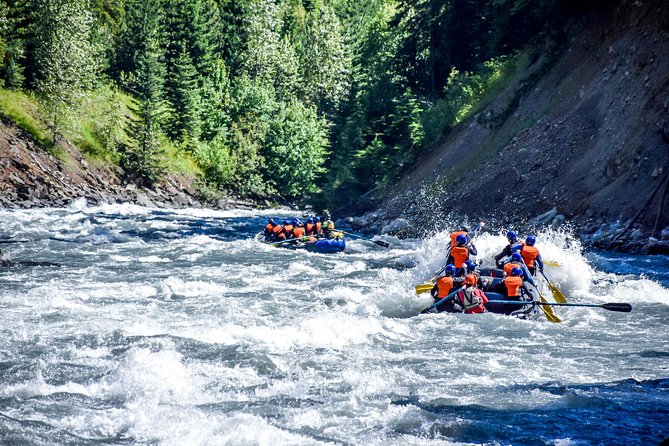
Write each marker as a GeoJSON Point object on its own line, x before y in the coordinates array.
{"type": "Point", "coordinates": [588, 142]}
{"type": "Point", "coordinates": [31, 177]}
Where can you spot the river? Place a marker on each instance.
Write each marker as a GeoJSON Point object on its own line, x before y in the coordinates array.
{"type": "Point", "coordinates": [176, 327]}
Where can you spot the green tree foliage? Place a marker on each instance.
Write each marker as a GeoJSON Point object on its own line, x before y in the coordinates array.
{"type": "Point", "coordinates": [294, 150]}
{"type": "Point", "coordinates": [65, 55]}
{"type": "Point", "coordinates": [322, 100]}
{"type": "Point", "coordinates": [325, 62]}
{"type": "Point", "coordinates": [142, 156]}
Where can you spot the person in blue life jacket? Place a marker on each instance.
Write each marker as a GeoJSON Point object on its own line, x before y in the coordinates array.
{"type": "Point", "coordinates": [513, 245]}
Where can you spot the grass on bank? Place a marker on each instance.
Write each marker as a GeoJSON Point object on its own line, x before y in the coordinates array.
{"type": "Point", "coordinates": [96, 127]}
{"type": "Point", "coordinates": [22, 109]}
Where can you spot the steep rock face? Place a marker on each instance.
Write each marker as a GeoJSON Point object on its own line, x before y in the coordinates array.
{"type": "Point", "coordinates": [587, 141]}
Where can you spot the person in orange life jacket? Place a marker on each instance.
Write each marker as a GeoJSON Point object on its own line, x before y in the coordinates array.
{"type": "Point", "coordinates": [287, 229]}
{"type": "Point", "coordinates": [531, 255]}
{"type": "Point", "coordinates": [460, 253]}
{"type": "Point", "coordinates": [513, 245]}
{"type": "Point", "coordinates": [298, 230]}
{"type": "Point", "coordinates": [472, 299]}
{"type": "Point", "coordinates": [514, 285]}
{"type": "Point", "coordinates": [310, 227]}
{"type": "Point", "coordinates": [318, 224]}
{"type": "Point", "coordinates": [269, 230]}
{"type": "Point", "coordinates": [463, 231]}
{"type": "Point", "coordinates": [446, 282]}
{"type": "Point", "coordinates": [278, 233]}
{"type": "Point", "coordinates": [470, 268]}
{"type": "Point", "coordinates": [516, 261]}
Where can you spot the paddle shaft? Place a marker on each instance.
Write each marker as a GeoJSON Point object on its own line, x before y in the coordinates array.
{"type": "Point", "coordinates": [557, 294]}
{"type": "Point", "coordinates": [378, 242]}
{"type": "Point", "coordinates": [621, 307]}
{"type": "Point", "coordinates": [442, 300]}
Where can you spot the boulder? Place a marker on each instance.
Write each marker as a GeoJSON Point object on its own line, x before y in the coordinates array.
{"type": "Point", "coordinates": [399, 227]}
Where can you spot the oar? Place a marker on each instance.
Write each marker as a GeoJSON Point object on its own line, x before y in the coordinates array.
{"type": "Point", "coordinates": [441, 301]}
{"type": "Point", "coordinates": [378, 242]}
{"type": "Point", "coordinates": [557, 294]}
{"type": "Point", "coordinates": [424, 288]}
{"type": "Point", "coordinates": [14, 241]}
{"type": "Point", "coordinates": [287, 240]}
{"type": "Point", "coordinates": [620, 307]}
{"type": "Point", "coordinates": [548, 311]}
{"type": "Point", "coordinates": [552, 263]}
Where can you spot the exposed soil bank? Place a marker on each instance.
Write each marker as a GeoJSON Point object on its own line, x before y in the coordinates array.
{"type": "Point", "coordinates": [31, 177]}
{"type": "Point", "coordinates": [582, 137]}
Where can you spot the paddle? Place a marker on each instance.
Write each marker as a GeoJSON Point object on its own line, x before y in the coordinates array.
{"type": "Point", "coordinates": [442, 300]}
{"type": "Point", "coordinates": [620, 307]}
{"type": "Point", "coordinates": [288, 240]}
{"type": "Point", "coordinates": [557, 294]}
{"type": "Point", "coordinates": [548, 311]}
{"type": "Point", "coordinates": [425, 287]}
{"type": "Point", "coordinates": [378, 242]}
{"type": "Point", "coordinates": [14, 241]}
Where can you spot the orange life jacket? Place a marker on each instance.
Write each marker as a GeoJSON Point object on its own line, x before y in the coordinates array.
{"type": "Point", "coordinates": [445, 286]}
{"type": "Point", "coordinates": [454, 235]}
{"type": "Point", "coordinates": [310, 229]}
{"type": "Point", "coordinates": [513, 284]}
{"type": "Point", "coordinates": [288, 231]}
{"type": "Point", "coordinates": [269, 230]}
{"type": "Point", "coordinates": [298, 232]}
{"type": "Point", "coordinates": [460, 255]}
{"type": "Point", "coordinates": [530, 254]}
{"type": "Point", "coordinates": [318, 227]}
{"type": "Point", "coordinates": [511, 265]}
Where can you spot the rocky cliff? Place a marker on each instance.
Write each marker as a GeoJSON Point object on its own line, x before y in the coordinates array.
{"type": "Point", "coordinates": [581, 136]}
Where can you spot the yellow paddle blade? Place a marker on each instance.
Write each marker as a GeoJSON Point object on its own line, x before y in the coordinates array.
{"type": "Point", "coordinates": [424, 288]}
{"type": "Point", "coordinates": [548, 311]}
{"type": "Point", "coordinates": [552, 263]}
{"type": "Point", "coordinates": [557, 294]}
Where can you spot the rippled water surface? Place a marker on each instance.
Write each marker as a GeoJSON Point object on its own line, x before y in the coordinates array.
{"type": "Point", "coordinates": [178, 328]}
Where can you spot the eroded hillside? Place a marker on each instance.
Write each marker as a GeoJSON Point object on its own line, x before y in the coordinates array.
{"type": "Point", "coordinates": [582, 136]}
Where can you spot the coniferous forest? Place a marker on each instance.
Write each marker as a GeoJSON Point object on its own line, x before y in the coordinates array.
{"type": "Point", "coordinates": [314, 101]}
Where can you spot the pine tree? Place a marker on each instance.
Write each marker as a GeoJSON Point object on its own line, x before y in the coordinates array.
{"type": "Point", "coordinates": [142, 157]}
{"type": "Point", "coordinates": [182, 91]}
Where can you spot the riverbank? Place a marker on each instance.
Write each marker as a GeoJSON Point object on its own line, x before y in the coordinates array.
{"type": "Point", "coordinates": [32, 177]}
{"type": "Point", "coordinates": [579, 140]}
